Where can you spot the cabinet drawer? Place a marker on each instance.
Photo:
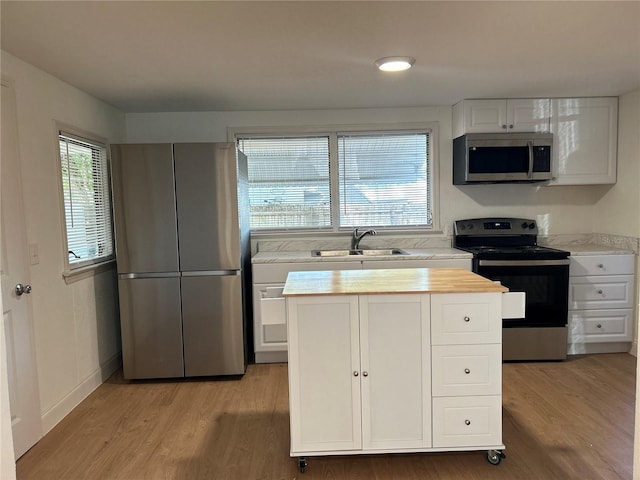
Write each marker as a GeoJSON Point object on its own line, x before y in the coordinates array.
{"type": "Point", "coordinates": [467, 421]}
{"type": "Point", "coordinates": [596, 326]}
{"type": "Point", "coordinates": [601, 265]}
{"type": "Point", "coordinates": [466, 318]}
{"type": "Point", "coordinates": [595, 292]}
{"type": "Point", "coordinates": [461, 370]}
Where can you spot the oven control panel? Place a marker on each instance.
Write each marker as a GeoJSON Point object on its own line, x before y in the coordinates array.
{"type": "Point", "coordinates": [495, 226]}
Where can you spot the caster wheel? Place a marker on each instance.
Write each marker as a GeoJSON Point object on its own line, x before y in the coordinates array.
{"type": "Point", "coordinates": [302, 464]}
{"type": "Point", "coordinates": [494, 457]}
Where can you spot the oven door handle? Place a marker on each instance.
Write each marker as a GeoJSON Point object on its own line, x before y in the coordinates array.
{"type": "Point", "coordinates": [522, 263]}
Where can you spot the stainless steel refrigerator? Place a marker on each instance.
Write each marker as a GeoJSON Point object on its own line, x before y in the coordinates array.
{"type": "Point", "coordinates": [182, 245]}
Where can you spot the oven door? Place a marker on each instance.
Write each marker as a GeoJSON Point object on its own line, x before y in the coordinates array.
{"type": "Point", "coordinates": [546, 287]}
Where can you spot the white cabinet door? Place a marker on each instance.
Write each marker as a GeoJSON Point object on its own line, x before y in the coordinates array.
{"type": "Point", "coordinates": [484, 116]}
{"type": "Point", "coordinates": [324, 374]}
{"type": "Point", "coordinates": [529, 115]}
{"type": "Point", "coordinates": [585, 140]}
{"type": "Point", "coordinates": [501, 115]}
{"type": "Point", "coordinates": [395, 368]}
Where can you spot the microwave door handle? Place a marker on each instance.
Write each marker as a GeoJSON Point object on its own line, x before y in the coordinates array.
{"type": "Point", "coordinates": [530, 172]}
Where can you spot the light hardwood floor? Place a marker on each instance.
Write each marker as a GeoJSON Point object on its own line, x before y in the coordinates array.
{"type": "Point", "coordinates": [562, 420]}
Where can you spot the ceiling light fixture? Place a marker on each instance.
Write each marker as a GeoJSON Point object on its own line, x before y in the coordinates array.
{"type": "Point", "coordinates": [395, 64]}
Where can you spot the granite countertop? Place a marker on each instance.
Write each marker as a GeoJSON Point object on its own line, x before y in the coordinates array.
{"type": "Point", "coordinates": [396, 281]}
{"type": "Point", "coordinates": [413, 254]}
{"type": "Point", "coordinates": [591, 249]}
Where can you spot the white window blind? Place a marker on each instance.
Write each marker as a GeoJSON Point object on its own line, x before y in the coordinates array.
{"type": "Point", "coordinates": [288, 182]}
{"type": "Point", "coordinates": [87, 200]}
{"type": "Point", "coordinates": [384, 179]}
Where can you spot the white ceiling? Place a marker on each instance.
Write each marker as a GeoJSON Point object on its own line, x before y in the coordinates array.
{"type": "Point", "coordinates": [153, 56]}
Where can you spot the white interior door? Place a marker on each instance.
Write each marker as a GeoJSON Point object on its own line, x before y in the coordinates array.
{"type": "Point", "coordinates": [21, 367]}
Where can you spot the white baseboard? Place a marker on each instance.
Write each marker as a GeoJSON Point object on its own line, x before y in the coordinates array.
{"type": "Point", "coordinates": [55, 414]}
{"type": "Point", "coordinates": [271, 357]}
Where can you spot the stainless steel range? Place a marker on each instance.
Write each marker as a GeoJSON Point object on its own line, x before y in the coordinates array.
{"type": "Point", "coordinates": [506, 250]}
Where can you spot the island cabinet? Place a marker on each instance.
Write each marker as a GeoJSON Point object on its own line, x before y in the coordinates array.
{"type": "Point", "coordinates": [412, 364]}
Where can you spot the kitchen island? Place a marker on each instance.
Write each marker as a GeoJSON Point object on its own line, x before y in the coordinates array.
{"type": "Point", "coordinates": [395, 361]}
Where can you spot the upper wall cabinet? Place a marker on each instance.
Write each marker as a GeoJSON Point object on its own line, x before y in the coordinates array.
{"type": "Point", "coordinates": [499, 115]}
{"type": "Point", "coordinates": [585, 140]}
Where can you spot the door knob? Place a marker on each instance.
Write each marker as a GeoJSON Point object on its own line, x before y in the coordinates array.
{"type": "Point", "coordinates": [20, 289]}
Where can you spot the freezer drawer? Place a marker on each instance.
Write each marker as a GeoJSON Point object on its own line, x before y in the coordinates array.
{"type": "Point", "coordinates": [151, 327]}
{"type": "Point", "coordinates": [212, 318]}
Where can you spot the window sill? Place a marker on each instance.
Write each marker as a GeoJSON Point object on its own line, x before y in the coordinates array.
{"type": "Point", "coordinates": [77, 274]}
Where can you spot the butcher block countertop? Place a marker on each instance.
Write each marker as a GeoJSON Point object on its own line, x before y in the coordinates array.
{"type": "Point", "coordinates": [400, 280]}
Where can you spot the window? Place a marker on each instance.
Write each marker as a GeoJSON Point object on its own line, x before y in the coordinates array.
{"type": "Point", "coordinates": [87, 200]}
{"type": "Point", "coordinates": [288, 182]}
{"type": "Point", "coordinates": [334, 180]}
{"type": "Point", "coordinates": [383, 179]}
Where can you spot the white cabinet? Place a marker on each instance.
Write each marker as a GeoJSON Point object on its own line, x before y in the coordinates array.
{"type": "Point", "coordinates": [385, 373]}
{"type": "Point", "coordinates": [601, 302]}
{"type": "Point", "coordinates": [585, 140]}
{"type": "Point", "coordinates": [501, 115]}
{"type": "Point", "coordinates": [356, 373]}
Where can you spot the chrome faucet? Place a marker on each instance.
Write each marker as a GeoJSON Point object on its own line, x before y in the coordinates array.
{"type": "Point", "coordinates": [356, 237]}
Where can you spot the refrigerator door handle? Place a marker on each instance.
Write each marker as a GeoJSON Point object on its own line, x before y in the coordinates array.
{"type": "Point", "coordinates": [148, 275]}
{"type": "Point", "coordinates": [210, 273]}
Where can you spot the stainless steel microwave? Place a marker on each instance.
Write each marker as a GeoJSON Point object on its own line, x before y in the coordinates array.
{"type": "Point", "coordinates": [502, 158]}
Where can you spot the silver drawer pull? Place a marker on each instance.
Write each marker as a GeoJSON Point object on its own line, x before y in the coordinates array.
{"type": "Point", "coordinates": [466, 319]}
{"type": "Point", "coordinates": [467, 422]}
{"type": "Point", "coordinates": [467, 371]}
{"type": "Point", "coordinates": [600, 265]}
{"type": "Point", "coordinates": [599, 325]}
{"type": "Point", "coordinates": [355, 374]}
{"type": "Point", "coordinates": [365, 374]}
{"type": "Point", "coordinates": [600, 292]}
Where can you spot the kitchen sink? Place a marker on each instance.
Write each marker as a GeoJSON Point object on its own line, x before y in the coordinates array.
{"type": "Point", "coordinates": [363, 251]}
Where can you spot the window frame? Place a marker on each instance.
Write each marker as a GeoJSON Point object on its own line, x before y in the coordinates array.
{"type": "Point", "coordinates": [78, 270]}
{"type": "Point", "coordinates": [333, 132]}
